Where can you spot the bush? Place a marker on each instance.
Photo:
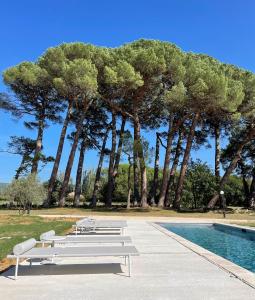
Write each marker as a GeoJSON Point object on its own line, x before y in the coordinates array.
{"type": "Point", "coordinates": [25, 192]}
{"type": "Point", "coordinates": [199, 186]}
{"type": "Point", "coordinates": [121, 184]}
{"type": "Point", "coordinates": [234, 192]}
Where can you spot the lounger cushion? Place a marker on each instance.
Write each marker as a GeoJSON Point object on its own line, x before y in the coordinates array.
{"type": "Point", "coordinates": [44, 236]}
{"type": "Point", "coordinates": [24, 246]}
{"type": "Point", "coordinates": [86, 221]}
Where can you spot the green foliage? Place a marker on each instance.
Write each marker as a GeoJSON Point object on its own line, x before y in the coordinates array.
{"type": "Point", "coordinates": [123, 76]}
{"type": "Point", "coordinates": [234, 192]}
{"type": "Point", "coordinates": [72, 71]}
{"type": "Point", "coordinates": [81, 75]}
{"type": "Point", "coordinates": [147, 81]}
{"type": "Point", "coordinates": [128, 144]}
{"type": "Point", "coordinates": [24, 147]}
{"type": "Point", "coordinates": [209, 89]}
{"type": "Point", "coordinates": [57, 188]}
{"type": "Point", "coordinates": [176, 97]}
{"type": "Point", "coordinates": [6, 105]}
{"type": "Point", "coordinates": [26, 73]}
{"type": "Point", "coordinates": [121, 188]}
{"type": "Point", "coordinates": [25, 191]}
{"type": "Point", "coordinates": [199, 186]}
{"type": "Point", "coordinates": [121, 183]}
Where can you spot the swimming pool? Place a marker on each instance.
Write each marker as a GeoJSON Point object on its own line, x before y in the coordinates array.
{"type": "Point", "coordinates": [234, 244]}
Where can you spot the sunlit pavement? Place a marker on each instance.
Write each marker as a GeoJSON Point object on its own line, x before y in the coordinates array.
{"type": "Point", "coordinates": [164, 270]}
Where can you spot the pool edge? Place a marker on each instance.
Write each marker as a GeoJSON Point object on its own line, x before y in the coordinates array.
{"type": "Point", "coordinates": [241, 273]}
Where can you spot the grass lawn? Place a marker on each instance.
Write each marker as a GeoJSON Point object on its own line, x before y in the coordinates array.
{"type": "Point", "coordinates": [15, 229]}
{"type": "Point", "coordinates": [138, 212]}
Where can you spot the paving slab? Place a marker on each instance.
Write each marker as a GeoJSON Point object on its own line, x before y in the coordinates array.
{"type": "Point", "coordinates": [165, 269]}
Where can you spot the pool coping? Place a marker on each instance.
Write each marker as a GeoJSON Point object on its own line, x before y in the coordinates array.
{"type": "Point", "coordinates": [249, 229]}
{"type": "Point", "coordinates": [240, 273]}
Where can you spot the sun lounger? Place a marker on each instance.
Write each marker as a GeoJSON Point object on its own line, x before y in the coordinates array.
{"type": "Point", "coordinates": [103, 223]}
{"type": "Point", "coordinates": [50, 237]}
{"type": "Point", "coordinates": [90, 225]}
{"type": "Point", "coordinates": [27, 250]}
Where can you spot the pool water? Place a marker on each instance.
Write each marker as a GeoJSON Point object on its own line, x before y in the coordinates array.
{"type": "Point", "coordinates": [234, 244]}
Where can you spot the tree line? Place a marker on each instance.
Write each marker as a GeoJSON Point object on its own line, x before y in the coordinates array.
{"type": "Point", "coordinates": [146, 84]}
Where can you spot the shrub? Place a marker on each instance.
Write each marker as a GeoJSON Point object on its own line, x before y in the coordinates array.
{"type": "Point", "coordinates": [25, 192]}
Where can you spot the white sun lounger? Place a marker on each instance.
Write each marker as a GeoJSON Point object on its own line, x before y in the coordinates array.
{"type": "Point", "coordinates": [91, 225]}
{"type": "Point", "coordinates": [50, 237]}
{"type": "Point", "coordinates": [27, 250]}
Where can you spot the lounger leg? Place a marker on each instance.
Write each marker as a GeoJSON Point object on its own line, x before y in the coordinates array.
{"type": "Point", "coordinates": [16, 268]}
{"type": "Point", "coordinates": [30, 262]}
{"type": "Point", "coordinates": [129, 266]}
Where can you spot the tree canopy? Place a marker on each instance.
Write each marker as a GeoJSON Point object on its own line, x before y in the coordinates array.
{"type": "Point", "coordinates": [145, 85]}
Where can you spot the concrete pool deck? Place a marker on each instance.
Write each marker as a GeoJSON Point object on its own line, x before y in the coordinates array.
{"type": "Point", "coordinates": [165, 269]}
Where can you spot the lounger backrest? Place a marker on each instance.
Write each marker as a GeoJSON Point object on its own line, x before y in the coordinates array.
{"type": "Point", "coordinates": [24, 246]}
{"type": "Point", "coordinates": [44, 236]}
{"type": "Point", "coordinates": [85, 221]}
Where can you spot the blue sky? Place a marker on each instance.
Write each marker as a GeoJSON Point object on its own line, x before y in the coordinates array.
{"type": "Point", "coordinates": [223, 29]}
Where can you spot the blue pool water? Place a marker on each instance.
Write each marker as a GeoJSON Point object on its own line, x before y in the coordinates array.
{"type": "Point", "coordinates": [234, 244]}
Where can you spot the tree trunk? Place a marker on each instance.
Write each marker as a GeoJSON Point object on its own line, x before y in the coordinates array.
{"type": "Point", "coordinates": [99, 168]}
{"type": "Point", "coordinates": [144, 203]}
{"type": "Point", "coordinates": [177, 200]}
{"type": "Point", "coordinates": [70, 162]}
{"type": "Point", "coordinates": [119, 148]}
{"type": "Point", "coordinates": [129, 182]}
{"type": "Point", "coordinates": [231, 166]}
{"type": "Point", "coordinates": [139, 149]}
{"type": "Point", "coordinates": [111, 164]}
{"type": "Point", "coordinates": [246, 191]}
{"type": "Point", "coordinates": [54, 172]}
{"type": "Point", "coordinates": [170, 137]}
{"type": "Point", "coordinates": [19, 170]}
{"type": "Point", "coordinates": [38, 147]}
{"type": "Point", "coordinates": [174, 167]}
{"type": "Point", "coordinates": [217, 153]}
{"type": "Point", "coordinates": [77, 192]}
{"type": "Point", "coordinates": [252, 192]}
{"type": "Point", "coordinates": [156, 171]}
{"type": "Point", "coordinates": [118, 154]}
{"type": "Point", "coordinates": [245, 183]}
{"type": "Point", "coordinates": [135, 168]}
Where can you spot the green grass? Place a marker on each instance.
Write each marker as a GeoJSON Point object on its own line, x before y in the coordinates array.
{"type": "Point", "coordinates": [234, 214]}
{"type": "Point", "coordinates": [20, 228]}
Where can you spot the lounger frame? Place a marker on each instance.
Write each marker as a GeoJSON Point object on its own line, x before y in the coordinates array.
{"type": "Point", "coordinates": [126, 255]}
{"type": "Point", "coordinates": [95, 239]}
{"type": "Point", "coordinates": [94, 225]}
